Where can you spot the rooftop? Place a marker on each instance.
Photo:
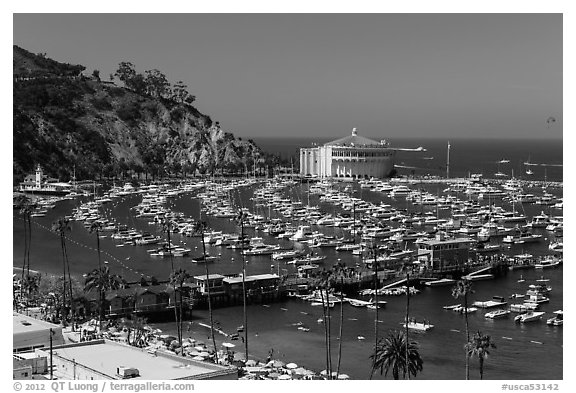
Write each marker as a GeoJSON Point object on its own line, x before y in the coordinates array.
{"type": "Point", "coordinates": [105, 356]}
{"type": "Point", "coordinates": [24, 324]}
{"type": "Point", "coordinates": [354, 140]}
{"type": "Point", "coordinates": [257, 277]}
{"type": "Point", "coordinates": [210, 277]}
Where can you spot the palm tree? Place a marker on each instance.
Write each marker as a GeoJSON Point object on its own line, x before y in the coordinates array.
{"type": "Point", "coordinates": [479, 346]}
{"type": "Point", "coordinates": [341, 270]}
{"type": "Point", "coordinates": [407, 314]}
{"type": "Point", "coordinates": [240, 219]}
{"type": "Point", "coordinates": [200, 227]}
{"type": "Point", "coordinates": [95, 227]}
{"type": "Point", "coordinates": [61, 226]}
{"type": "Point", "coordinates": [177, 280]}
{"type": "Point", "coordinates": [102, 281]}
{"type": "Point", "coordinates": [167, 227]}
{"type": "Point", "coordinates": [25, 207]}
{"type": "Point", "coordinates": [137, 325]}
{"type": "Point", "coordinates": [375, 265]}
{"type": "Point", "coordinates": [390, 355]}
{"type": "Point", "coordinates": [462, 288]}
{"type": "Point", "coordinates": [321, 283]}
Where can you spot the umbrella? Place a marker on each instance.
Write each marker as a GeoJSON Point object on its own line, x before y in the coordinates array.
{"type": "Point", "coordinates": [291, 366]}
{"type": "Point", "coordinates": [278, 363]}
{"type": "Point", "coordinates": [343, 376]}
{"type": "Point", "coordinates": [194, 353]}
{"type": "Point", "coordinates": [299, 370]}
{"type": "Point", "coordinates": [239, 356]}
{"type": "Point", "coordinates": [228, 345]}
{"type": "Point", "coordinates": [284, 376]}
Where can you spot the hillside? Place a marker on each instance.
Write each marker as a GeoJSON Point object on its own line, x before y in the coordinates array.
{"type": "Point", "coordinates": [66, 121]}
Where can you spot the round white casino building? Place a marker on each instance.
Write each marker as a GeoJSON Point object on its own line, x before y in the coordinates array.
{"type": "Point", "coordinates": [353, 157]}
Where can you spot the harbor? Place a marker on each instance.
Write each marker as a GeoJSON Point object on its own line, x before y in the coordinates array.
{"type": "Point", "coordinates": [274, 206]}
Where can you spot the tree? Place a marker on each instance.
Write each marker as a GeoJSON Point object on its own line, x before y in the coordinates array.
{"type": "Point", "coordinates": [168, 226]}
{"type": "Point", "coordinates": [156, 84]}
{"type": "Point", "coordinates": [177, 280]}
{"type": "Point", "coordinates": [180, 93]}
{"type": "Point", "coordinates": [61, 226]}
{"type": "Point", "coordinates": [462, 288]}
{"type": "Point", "coordinates": [200, 227]}
{"type": "Point", "coordinates": [102, 281]}
{"type": "Point", "coordinates": [375, 266]}
{"type": "Point", "coordinates": [95, 227]}
{"type": "Point", "coordinates": [96, 74]}
{"type": "Point", "coordinates": [136, 327]}
{"type": "Point", "coordinates": [25, 207]}
{"type": "Point", "coordinates": [322, 284]}
{"type": "Point", "coordinates": [340, 269]}
{"type": "Point", "coordinates": [240, 218]}
{"type": "Point", "coordinates": [479, 347]}
{"type": "Point", "coordinates": [125, 72]}
{"type": "Point", "coordinates": [390, 355]}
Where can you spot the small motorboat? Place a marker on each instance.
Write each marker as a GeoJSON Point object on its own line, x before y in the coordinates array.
{"type": "Point", "coordinates": [497, 314]}
{"type": "Point", "coordinates": [530, 316]}
{"type": "Point", "coordinates": [556, 320]}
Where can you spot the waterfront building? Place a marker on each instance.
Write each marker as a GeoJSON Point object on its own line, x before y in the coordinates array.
{"type": "Point", "coordinates": [38, 183]}
{"type": "Point", "coordinates": [109, 360]}
{"type": "Point", "coordinates": [258, 287]}
{"type": "Point", "coordinates": [443, 254]}
{"type": "Point", "coordinates": [353, 156]}
{"type": "Point", "coordinates": [30, 333]}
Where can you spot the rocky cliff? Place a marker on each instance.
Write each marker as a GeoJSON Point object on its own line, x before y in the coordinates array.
{"type": "Point", "coordinates": [67, 121]}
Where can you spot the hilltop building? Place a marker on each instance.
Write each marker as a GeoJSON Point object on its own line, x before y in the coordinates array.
{"type": "Point", "coordinates": [353, 157]}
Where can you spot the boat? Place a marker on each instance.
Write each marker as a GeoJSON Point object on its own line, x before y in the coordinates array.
{"type": "Point", "coordinates": [280, 255]}
{"type": "Point", "coordinates": [496, 301]}
{"type": "Point", "coordinates": [439, 283]}
{"type": "Point", "coordinates": [548, 263]}
{"type": "Point", "coordinates": [556, 320]}
{"type": "Point", "coordinates": [357, 302]}
{"type": "Point", "coordinates": [418, 326]}
{"type": "Point", "coordinates": [522, 308]}
{"type": "Point", "coordinates": [373, 306]}
{"type": "Point", "coordinates": [451, 307]}
{"type": "Point", "coordinates": [303, 232]}
{"type": "Point", "coordinates": [478, 277]}
{"type": "Point", "coordinates": [469, 310]}
{"type": "Point", "coordinates": [521, 279]}
{"type": "Point", "coordinates": [202, 259]}
{"type": "Point", "coordinates": [530, 316]}
{"type": "Point", "coordinates": [539, 221]}
{"type": "Point", "coordinates": [496, 314]}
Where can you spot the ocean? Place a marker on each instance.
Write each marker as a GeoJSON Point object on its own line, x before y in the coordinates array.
{"type": "Point", "coordinates": [532, 351]}
{"type": "Point", "coordinates": [467, 156]}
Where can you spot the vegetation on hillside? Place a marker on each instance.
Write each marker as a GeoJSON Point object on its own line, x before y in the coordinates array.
{"type": "Point", "coordinates": [70, 122]}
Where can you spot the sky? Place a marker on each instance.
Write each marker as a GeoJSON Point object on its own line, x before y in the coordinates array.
{"type": "Point", "coordinates": [320, 75]}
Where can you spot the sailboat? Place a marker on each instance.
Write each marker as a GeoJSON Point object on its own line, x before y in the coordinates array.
{"type": "Point", "coordinates": [521, 279]}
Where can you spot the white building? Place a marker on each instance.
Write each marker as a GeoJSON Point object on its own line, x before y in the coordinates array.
{"type": "Point", "coordinates": [352, 157]}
